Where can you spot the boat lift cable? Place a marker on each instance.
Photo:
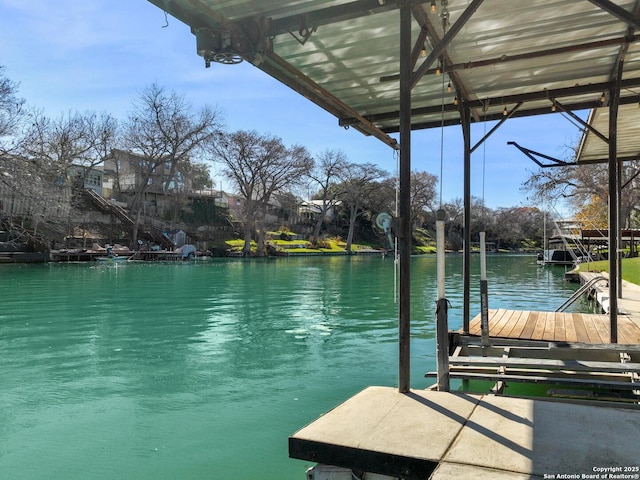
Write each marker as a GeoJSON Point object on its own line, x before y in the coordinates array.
{"type": "Point", "coordinates": [441, 142]}
{"type": "Point", "coordinates": [575, 239]}
{"type": "Point", "coordinates": [576, 243]}
{"type": "Point", "coordinates": [484, 152]}
{"type": "Point", "coordinates": [396, 256]}
{"type": "Point", "coordinates": [593, 226]}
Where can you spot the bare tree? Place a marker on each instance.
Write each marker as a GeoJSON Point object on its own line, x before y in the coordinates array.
{"type": "Point", "coordinates": [454, 223]}
{"type": "Point", "coordinates": [11, 112]}
{"type": "Point", "coordinates": [166, 135]}
{"type": "Point", "coordinates": [53, 160]}
{"type": "Point", "coordinates": [259, 166]}
{"type": "Point", "coordinates": [326, 175]}
{"type": "Point", "coordinates": [13, 169]}
{"type": "Point", "coordinates": [80, 139]}
{"type": "Point", "coordinates": [581, 185]}
{"type": "Point", "coordinates": [422, 196]}
{"type": "Point", "coordinates": [359, 182]}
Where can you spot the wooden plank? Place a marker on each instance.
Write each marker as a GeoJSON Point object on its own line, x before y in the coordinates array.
{"type": "Point", "coordinates": [495, 319]}
{"type": "Point", "coordinates": [591, 326]}
{"type": "Point", "coordinates": [498, 327]}
{"type": "Point", "coordinates": [474, 325]}
{"type": "Point", "coordinates": [520, 324]}
{"type": "Point", "coordinates": [628, 331]}
{"type": "Point", "coordinates": [570, 329]}
{"type": "Point", "coordinates": [513, 320]}
{"type": "Point", "coordinates": [530, 325]}
{"type": "Point", "coordinates": [549, 327]}
{"type": "Point", "coordinates": [602, 326]}
{"type": "Point", "coordinates": [560, 333]}
{"type": "Point", "coordinates": [538, 331]}
{"type": "Point", "coordinates": [581, 330]}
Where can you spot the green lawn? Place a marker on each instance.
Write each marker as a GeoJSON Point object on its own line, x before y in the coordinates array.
{"type": "Point", "coordinates": [332, 245]}
{"type": "Point", "coordinates": [630, 268]}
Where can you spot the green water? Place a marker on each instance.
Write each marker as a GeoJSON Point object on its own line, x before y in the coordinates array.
{"type": "Point", "coordinates": [202, 370]}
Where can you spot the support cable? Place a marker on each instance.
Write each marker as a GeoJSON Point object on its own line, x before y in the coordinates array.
{"type": "Point", "coordinates": [441, 142]}
{"type": "Point", "coordinates": [396, 257]}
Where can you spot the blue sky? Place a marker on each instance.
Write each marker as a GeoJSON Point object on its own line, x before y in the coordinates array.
{"type": "Point", "coordinates": [98, 55]}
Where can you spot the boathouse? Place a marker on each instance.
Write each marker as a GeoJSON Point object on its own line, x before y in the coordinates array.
{"type": "Point", "coordinates": [388, 67]}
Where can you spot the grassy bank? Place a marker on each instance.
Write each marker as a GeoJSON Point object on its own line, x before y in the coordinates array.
{"type": "Point", "coordinates": [630, 268]}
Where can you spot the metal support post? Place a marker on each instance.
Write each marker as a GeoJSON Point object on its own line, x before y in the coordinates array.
{"type": "Point", "coordinates": [614, 202]}
{"type": "Point", "coordinates": [484, 293]}
{"type": "Point", "coordinates": [404, 310]}
{"type": "Point", "coordinates": [466, 269]}
{"type": "Point", "coordinates": [442, 314]}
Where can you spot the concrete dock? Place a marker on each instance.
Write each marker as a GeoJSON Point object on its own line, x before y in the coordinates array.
{"type": "Point", "coordinates": [439, 435]}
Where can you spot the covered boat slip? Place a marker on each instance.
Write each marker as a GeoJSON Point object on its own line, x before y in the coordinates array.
{"type": "Point", "coordinates": [381, 66]}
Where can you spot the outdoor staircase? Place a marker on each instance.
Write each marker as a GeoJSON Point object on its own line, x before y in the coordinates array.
{"type": "Point", "coordinates": [152, 233]}
{"type": "Point", "coordinates": [107, 207]}
{"type": "Point", "coordinates": [156, 235]}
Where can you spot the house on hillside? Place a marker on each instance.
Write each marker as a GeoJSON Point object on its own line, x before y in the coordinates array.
{"type": "Point", "coordinates": [87, 177]}
{"type": "Point", "coordinates": [123, 173]}
{"type": "Point", "coordinates": [311, 209]}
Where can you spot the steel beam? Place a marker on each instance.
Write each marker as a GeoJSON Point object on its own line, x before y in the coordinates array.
{"type": "Point", "coordinates": [442, 45]}
{"type": "Point", "coordinates": [578, 90]}
{"type": "Point", "coordinates": [618, 12]}
{"type": "Point", "coordinates": [614, 205]}
{"type": "Point", "coordinates": [404, 312]}
{"type": "Point", "coordinates": [465, 116]}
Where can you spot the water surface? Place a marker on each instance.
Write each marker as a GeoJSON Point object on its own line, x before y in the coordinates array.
{"type": "Point", "coordinates": [202, 370]}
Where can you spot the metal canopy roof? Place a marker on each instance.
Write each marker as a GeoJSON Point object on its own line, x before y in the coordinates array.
{"type": "Point", "coordinates": [595, 149]}
{"type": "Point", "coordinates": [504, 58]}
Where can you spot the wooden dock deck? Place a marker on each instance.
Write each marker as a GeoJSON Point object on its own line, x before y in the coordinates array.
{"type": "Point", "coordinates": [556, 327]}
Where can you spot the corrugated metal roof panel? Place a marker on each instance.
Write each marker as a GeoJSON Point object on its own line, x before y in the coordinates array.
{"type": "Point", "coordinates": [594, 149]}
{"type": "Point", "coordinates": [344, 55]}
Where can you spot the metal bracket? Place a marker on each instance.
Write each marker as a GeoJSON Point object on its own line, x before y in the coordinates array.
{"type": "Point", "coordinates": [304, 32]}
{"type": "Point", "coordinates": [533, 154]}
